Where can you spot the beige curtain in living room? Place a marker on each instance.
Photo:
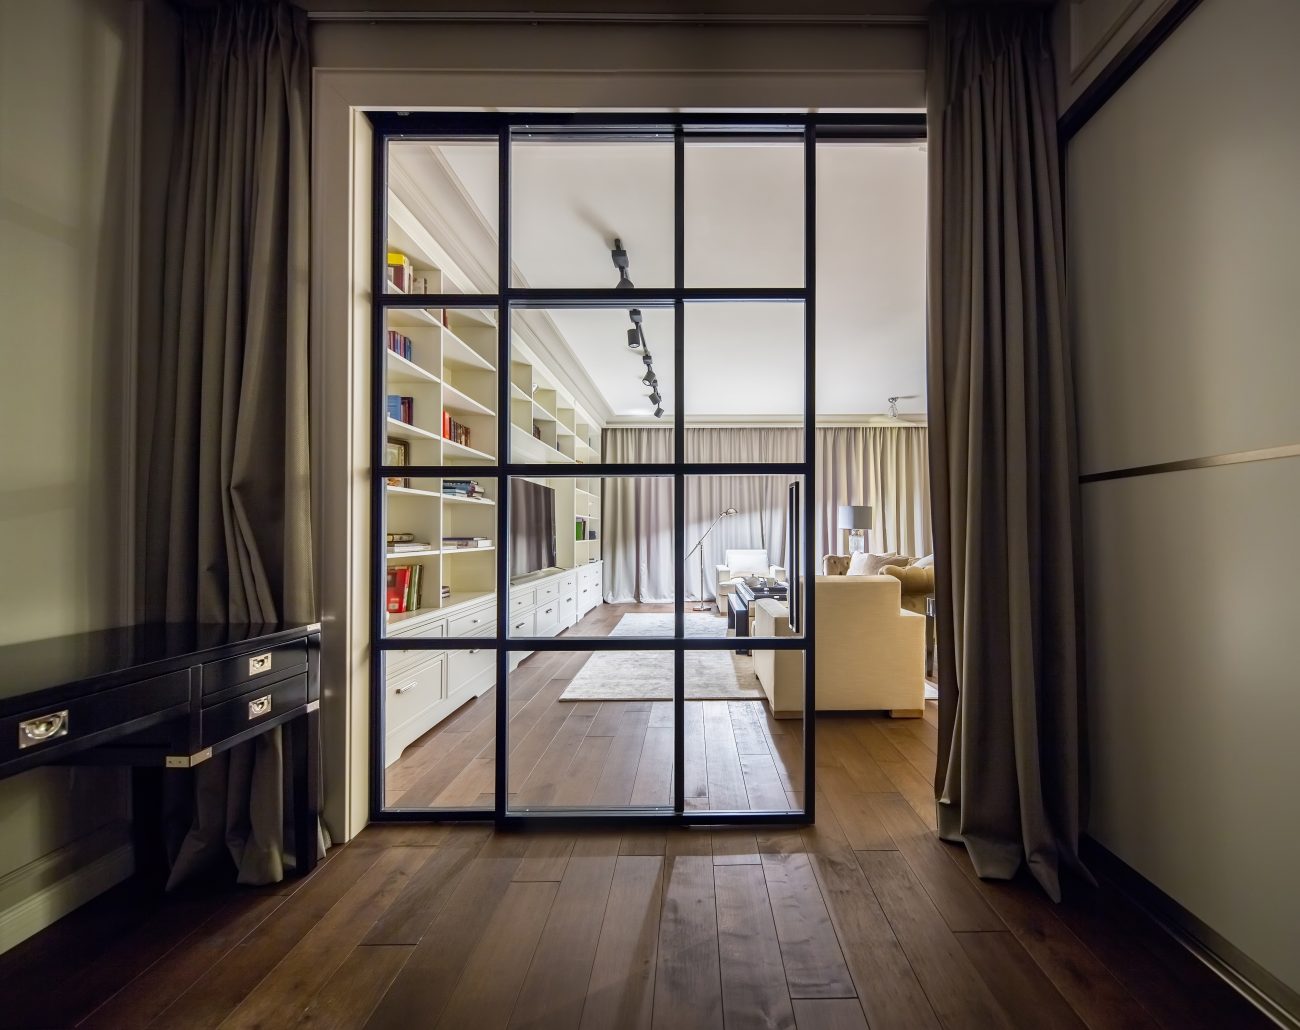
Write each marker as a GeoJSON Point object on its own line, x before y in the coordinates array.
{"type": "Point", "coordinates": [223, 484]}
{"type": "Point", "coordinates": [887, 467]}
{"type": "Point", "coordinates": [1010, 779]}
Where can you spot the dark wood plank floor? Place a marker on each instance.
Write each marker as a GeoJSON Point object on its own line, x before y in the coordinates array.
{"type": "Point", "coordinates": [615, 754]}
{"type": "Point", "coordinates": [865, 920]}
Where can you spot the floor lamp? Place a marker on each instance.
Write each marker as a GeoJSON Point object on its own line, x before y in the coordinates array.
{"type": "Point", "coordinates": [700, 605]}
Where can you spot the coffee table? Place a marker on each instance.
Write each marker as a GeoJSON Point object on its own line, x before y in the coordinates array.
{"type": "Point", "coordinates": [749, 590]}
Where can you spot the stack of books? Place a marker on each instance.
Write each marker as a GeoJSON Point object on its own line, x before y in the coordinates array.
{"type": "Point", "coordinates": [454, 431]}
{"type": "Point", "coordinates": [401, 409]}
{"type": "Point", "coordinates": [462, 488]}
{"type": "Point", "coordinates": [403, 589]}
{"type": "Point", "coordinates": [461, 543]}
{"type": "Point", "coordinates": [399, 543]}
{"type": "Point", "coordinates": [409, 279]}
{"type": "Point", "coordinates": [400, 345]}
{"type": "Point", "coordinates": [446, 592]}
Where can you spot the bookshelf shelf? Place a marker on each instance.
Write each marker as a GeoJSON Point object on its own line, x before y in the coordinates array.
{"type": "Point", "coordinates": [456, 351]}
{"type": "Point", "coordinates": [477, 502]}
{"type": "Point", "coordinates": [410, 491]}
{"type": "Point", "coordinates": [406, 431]}
{"type": "Point", "coordinates": [402, 555]}
{"type": "Point", "coordinates": [461, 402]}
{"type": "Point", "coordinates": [402, 371]}
{"type": "Point", "coordinates": [452, 449]}
{"type": "Point", "coordinates": [468, 550]}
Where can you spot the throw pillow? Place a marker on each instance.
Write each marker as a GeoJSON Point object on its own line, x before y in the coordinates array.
{"type": "Point", "coordinates": [858, 564]}
{"type": "Point", "coordinates": [876, 562]}
{"type": "Point", "coordinates": [924, 563]}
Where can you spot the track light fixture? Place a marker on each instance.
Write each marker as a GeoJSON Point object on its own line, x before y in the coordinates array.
{"type": "Point", "coordinates": [650, 379]}
{"type": "Point", "coordinates": [619, 256]}
{"type": "Point", "coordinates": [655, 398]}
{"type": "Point", "coordinates": [659, 412]}
{"type": "Point", "coordinates": [646, 359]}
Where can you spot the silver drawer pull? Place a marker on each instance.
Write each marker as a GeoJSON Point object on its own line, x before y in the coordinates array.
{"type": "Point", "coordinates": [259, 664]}
{"type": "Point", "coordinates": [42, 728]}
{"type": "Point", "coordinates": [519, 625]}
{"type": "Point", "coordinates": [259, 707]}
{"type": "Point", "coordinates": [474, 622]}
{"type": "Point", "coordinates": [409, 686]}
{"type": "Point", "coordinates": [475, 650]}
{"type": "Point", "coordinates": [549, 610]}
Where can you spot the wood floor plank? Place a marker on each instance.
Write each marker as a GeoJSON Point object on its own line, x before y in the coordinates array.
{"type": "Point", "coordinates": [620, 992]}
{"type": "Point", "coordinates": [829, 1014]}
{"type": "Point", "coordinates": [355, 988]}
{"type": "Point", "coordinates": [407, 919]}
{"type": "Point", "coordinates": [1021, 988]}
{"type": "Point", "coordinates": [735, 847]}
{"type": "Point", "coordinates": [814, 964]}
{"type": "Point", "coordinates": [1082, 979]}
{"type": "Point", "coordinates": [212, 997]}
{"type": "Point", "coordinates": [763, 789]}
{"type": "Point", "coordinates": [695, 751]}
{"type": "Point", "coordinates": [643, 842]}
{"type": "Point", "coordinates": [726, 782]}
{"type": "Point", "coordinates": [918, 792]}
{"type": "Point", "coordinates": [838, 741]}
{"type": "Point", "coordinates": [859, 819]}
{"type": "Point", "coordinates": [546, 857]}
{"type": "Point", "coordinates": [956, 991]}
{"type": "Point", "coordinates": [653, 784]}
{"type": "Point", "coordinates": [960, 904]}
{"type": "Point", "coordinates": [787, 751]}
{"type": "Point", "coordinates": [555, 987]}
{"type": "Point", "coordinates": [495, 970]}
{"type": "Point", "coordinates": [280, 999]}
{"type": "Point", "coordinates": [577, 784]}
{"type": "Point", "coordinates": [535, 786]}
{"type": "Point", "coordinates": [889, 992]}
{"type": "Point", "coordinates": [747, 728]}
{"type": "Point", "coordinates": [608, 719]}
{"type": "Point", "coordinates": [688, 986]}
{"type": "Point", "coordinates": [754, 992]}
{"type": "Point", "coordinates": [419, 994]}
{"type": "Point", "coordinates": [618, 776]}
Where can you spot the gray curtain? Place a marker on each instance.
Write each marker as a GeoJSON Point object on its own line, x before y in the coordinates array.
{"type": "Point", "coordinates": [887, 467]}
{"type": "Point", "coordinates": [224, 477]}
{"type": "Point", "coordinates": [1010, 781]}
{"type": "Point", "coordinates": [884, 466]}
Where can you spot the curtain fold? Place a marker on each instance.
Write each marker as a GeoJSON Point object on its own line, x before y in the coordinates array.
{"type": "Point", "coordinates": [223, 484]}
{"type": "Point", "coordinates": [1010, 781]}
{"type": "Point", "coordinates": [884, 466]}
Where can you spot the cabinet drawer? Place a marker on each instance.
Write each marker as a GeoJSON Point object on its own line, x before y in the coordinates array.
{"type": "Point", "coordinates": [261, 704]}
{"type": "Point", "coordinates": [568, 611]}
{"type": "Point", "coordinates": [412, 690]}
{"type": "Point", "coordinates": [547, 617]}
{"type": "Point", "coordinates": [473, 670]}
{"type": "Point", "coordinates": [568, 584]}
{"type": "Point", "coordinates": [547, 591]}
{"type": "Point", "coordinates": [471, 623]}
{"type": "Point", "coordinates": [67, 722]}
{"type": "Point", "coordinates": [522, 625]}
{"type": "Point", "coordinates": [266, 665]}
{"type": "Point", "coordinates": [521, 599]}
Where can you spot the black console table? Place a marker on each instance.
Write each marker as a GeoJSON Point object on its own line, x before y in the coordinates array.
{"type": "Point", "coordinates": [746, 593]}
{"type": "Point", "coordinates": [166, 696]}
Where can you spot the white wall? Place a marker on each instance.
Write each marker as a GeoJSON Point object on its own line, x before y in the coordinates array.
{"type": "Point", "coordinates": [1183, 230]}
{"type": "Point", "coordinates": [66, 216]}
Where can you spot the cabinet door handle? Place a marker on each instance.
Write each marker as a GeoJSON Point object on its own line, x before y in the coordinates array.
{"type": "Point", "coordinates": [42, 728]}
{"type": "Point", "coordinates": [474, 622]}
{"type": "Point", "coordinates": [409, 686]}
{"type": "Point", "coordinates": [259, 707]}
{"type": "Point", "coordinates": [259, 664]}
{"type": "Point", "coordinates": [549, 610]}
{"type": "Point", "coordinates": [519, 625]}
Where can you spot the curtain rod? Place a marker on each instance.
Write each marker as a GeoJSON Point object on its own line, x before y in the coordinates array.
{"type": "Point", "coordinates": [597, 18]}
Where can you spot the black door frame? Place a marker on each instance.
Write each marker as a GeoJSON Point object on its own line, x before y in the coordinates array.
{"type": "Point", "coordinates": [391, 126]}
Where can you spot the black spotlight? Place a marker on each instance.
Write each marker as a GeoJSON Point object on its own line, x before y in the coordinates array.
{"type": "Point", "coordinates": [619, 256]}
{"type": "Point", "coordinates": [659, 412]}
{"type": "Point", "coordinates": [655, 398]}
{"type": "Point", "coordinates": [633, 337]}
{"type": "Point", "coordinates": [650, 379]}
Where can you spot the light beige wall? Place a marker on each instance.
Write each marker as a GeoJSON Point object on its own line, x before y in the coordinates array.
{"type": "Point", "coordinates": [67, 137]}
{"type": "Point", "coordinates": [1089, 34]}
{"type": "Point", "coordinates": [1183, 231]}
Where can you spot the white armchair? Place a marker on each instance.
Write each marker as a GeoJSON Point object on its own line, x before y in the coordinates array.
{"type": "Point", "coordinates": [737, 564]}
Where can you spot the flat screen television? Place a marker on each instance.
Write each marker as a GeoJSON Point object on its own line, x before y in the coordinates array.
{"type": "Point", "coordinates": [532, 527]}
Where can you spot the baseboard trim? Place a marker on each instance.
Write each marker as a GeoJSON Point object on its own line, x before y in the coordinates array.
{"type": "Point", "coordinates": [52, 902]}
{"type": "Point", "coordinates": [1256, 984]}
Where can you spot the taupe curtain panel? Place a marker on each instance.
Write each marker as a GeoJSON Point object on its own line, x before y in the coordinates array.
{"type": "Point", "coordinates": [223, 479]}
{"type": "Point", "coordinates": [1002, 449]}
{"type": "Point", "coordinates": [884, 466]}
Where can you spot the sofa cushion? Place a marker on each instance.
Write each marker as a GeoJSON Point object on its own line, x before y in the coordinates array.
{"type": "Point", "coordinates": [746, 562]}
{"type": "Point", "coordinates": [924, 563]}
{"type": "Point", "coordinates": [835, 564]}
{"type": "Point", "coordinates": [865, 564]}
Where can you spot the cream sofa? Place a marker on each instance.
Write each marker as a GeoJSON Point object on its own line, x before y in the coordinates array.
{"type": "Point", "coordinates": [870, 652]}
{"type": "Point", "coordinates": [739, 563]}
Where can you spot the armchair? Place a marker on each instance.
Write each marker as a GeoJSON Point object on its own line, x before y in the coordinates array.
{"type": "Point", "coordinates": [737, 564]}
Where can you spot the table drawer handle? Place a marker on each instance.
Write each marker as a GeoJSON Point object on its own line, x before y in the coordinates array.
{"type": "Point", "coordinates": [408, 687]}
{"type": "Point", "coordinates": [259, 664]}
{"type": "Point", "coordinates": [42, 728]}
{"type": "Point", "coordinates": [259, 707]}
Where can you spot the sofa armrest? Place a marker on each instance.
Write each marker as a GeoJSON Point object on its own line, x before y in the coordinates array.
{"type": "Point", "coordinates": [724, 573]}
{"type": "Point", "coordinates": [778, 573]}
{"type": "Point", "coordinates": [914, 581]}
{"type": "Point", "coordinates": [771, 619]}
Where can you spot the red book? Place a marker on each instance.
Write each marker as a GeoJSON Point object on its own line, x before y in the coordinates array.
{"type": "Point", "coordinates": [398, 579]}
{"type": "Point", "coordinates": [446, 426]}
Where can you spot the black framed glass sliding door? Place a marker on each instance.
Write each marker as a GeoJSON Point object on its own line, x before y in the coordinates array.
{"type": "Point", "coordinates": [593, 466]}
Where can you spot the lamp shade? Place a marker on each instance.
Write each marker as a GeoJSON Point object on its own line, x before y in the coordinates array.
{"type": "Point", "coordinates": [855, 516]}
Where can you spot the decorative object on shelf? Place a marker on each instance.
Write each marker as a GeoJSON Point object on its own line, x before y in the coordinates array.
{"type": "Point", "coordinates": [396, 453]}
{"type": "Point", "coordinates": [537, 431]}
{"type": "Point", "coordinates": [855, 519]}
{"type": "Point", "coordinates": [699, 546]}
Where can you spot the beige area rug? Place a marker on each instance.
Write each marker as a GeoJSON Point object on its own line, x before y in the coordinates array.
{"type": "Point", "coordinates": [648, 675]}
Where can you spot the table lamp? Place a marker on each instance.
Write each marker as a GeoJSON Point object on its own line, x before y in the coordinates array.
{"type": "Point", "coordinates": [855, 519]}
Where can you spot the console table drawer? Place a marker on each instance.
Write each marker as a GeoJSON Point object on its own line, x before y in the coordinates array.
{"type": "Point", "coordinates": [271, 664]}
{"type": "Point", "coordinates": [471, 623]}
{"type": "Point", "coordinates": [522, 625]}
{"type": "Point", "coordinates": [261, 704]}
{"type": "Point", "coordinates": [409, 692]}
{"type": "Point", "coordinates": [547, 591]}
{"type": "Point", "coordinates": [521, 599]}
{"type": "Point", "coordinates": [547, 617]}
{"type": "Point", "coordinates": [60, 723]}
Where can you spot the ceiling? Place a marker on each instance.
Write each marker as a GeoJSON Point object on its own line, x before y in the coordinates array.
{"type": "Point", "coordinates": [744, 207]}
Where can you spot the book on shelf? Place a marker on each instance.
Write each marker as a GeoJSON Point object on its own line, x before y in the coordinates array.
{"type": "Point", "coordinates": [403, 588]}
{"type": "Point", "coordinates": [409, 545]}
{"type": "Point", "coordinates": [463, 542]}
{"type": "Point", "coordinates": [400, 270]}
{"type": "Point", "coordinates": [397, 453]}
{"type": "Point", "coordinates": [454, 431]}
{"type": "Point", "coordinates": [401, 345]}
{"type": "Point", "coordinates": [400, 538]}
{"type": "Point", "coordinates": [445, 591]}
{"type": "Point", "coordinates": [401, 409]}
{"type": "Point", "coordinates": [462, 488]}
